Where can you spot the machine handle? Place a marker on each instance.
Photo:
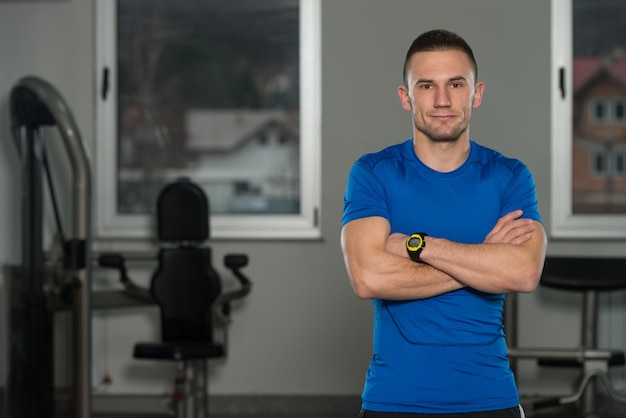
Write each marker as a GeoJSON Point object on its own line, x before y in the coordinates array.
{"type": "Point", "coordinates": [116, 261]}
{"type": "Point", "coordinates": [235, 262]}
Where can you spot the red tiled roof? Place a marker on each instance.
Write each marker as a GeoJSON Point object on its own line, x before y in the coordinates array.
{"type": "Point", "coordinates": [585, 68]}
{"type": "Point", "coordinates": [618, 69]}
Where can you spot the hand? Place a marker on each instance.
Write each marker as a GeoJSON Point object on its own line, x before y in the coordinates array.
{"type": "Point", "coordinates": [396, 244]}
{"type": "Point", "coordinates": [511, 229]}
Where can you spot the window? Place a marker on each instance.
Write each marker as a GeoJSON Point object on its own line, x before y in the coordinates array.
{"type": "Point", "coordinates": [588, 122]}
{"type": "Point", "coordinates": [619, 110]}
{"type": "Point", "coordinates": [225, 93]}
{"type": "Point", "coordinates": [607, 162]}
{"type": "Point", "coordinates": [606, 110]}
{"type": "Point", "coordinates": [619, 167]}
{"type": "Point", "coordinates": [600, 166]}
{"type": "Point", "coordinates": [598, 110]}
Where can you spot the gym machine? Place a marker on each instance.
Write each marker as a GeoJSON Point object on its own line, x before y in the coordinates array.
{"type": "Point", "coordinates": [59, 279]}
{"type": "Point", "coordinates": [43, 283]}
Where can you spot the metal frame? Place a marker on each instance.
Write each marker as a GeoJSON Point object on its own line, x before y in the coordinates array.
{"type": "Point", "coordinates": [31, 142]}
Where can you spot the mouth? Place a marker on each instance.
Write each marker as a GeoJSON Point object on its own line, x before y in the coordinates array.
{"type": "Point", "coordinates": [443, 117]}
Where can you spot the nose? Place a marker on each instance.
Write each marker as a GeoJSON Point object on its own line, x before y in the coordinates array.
{"type": "Point", "coordinates": [442, 98]}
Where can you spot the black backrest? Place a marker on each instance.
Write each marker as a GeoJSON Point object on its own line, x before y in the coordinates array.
{"type": "Point", "coordinates": [185, 284]}
{"type": "Point", "coordinates": [182, 212]}
{"type": "Point", "coordinates": [185, 287]}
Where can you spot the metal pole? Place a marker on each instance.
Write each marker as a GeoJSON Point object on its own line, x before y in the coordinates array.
{"type": "Point", "coordinates": [589, 339]}
{"type": "Point", "coordinates": [510, 326]}
{"type": "Point", "coordinates": [81, 188]}
{"type": "Point", "coordinates": [31, 324]}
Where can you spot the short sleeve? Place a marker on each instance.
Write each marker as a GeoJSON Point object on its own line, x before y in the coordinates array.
{"type": "Point", "coordinates": [365, 194]}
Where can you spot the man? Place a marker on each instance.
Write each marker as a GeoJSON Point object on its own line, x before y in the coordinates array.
{"type": "Point", "coordinates": [435, 231]}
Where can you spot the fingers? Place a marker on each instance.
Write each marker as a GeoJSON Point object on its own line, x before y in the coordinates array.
{"type": "Point", "coordinates": [521, 239]}
{"type": "Point", "coordinates": [514, 232]}
{"type": "Point", "coordinates": [511, 216]}
{"type": "Point", "coordinates": [510, 229]}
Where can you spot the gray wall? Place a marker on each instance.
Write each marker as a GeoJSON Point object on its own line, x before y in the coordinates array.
{"type": "Point", "coordinates": [302, 331]}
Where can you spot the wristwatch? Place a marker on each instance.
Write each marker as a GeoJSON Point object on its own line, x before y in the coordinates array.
{"type": "Point", "coordinates": [415, 244]}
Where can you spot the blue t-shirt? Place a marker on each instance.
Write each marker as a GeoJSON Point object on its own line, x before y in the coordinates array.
{"type": "Point", "coordinates": [445, 354]}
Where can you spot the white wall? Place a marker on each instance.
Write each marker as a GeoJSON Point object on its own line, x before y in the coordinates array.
{"type": "Point", "coordinates": [302, 331]}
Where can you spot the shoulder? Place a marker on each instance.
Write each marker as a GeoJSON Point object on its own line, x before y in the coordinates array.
{"type": "Point", "coordinates": [488, 157]}
{"type": "Point", "coordinates": [391, 155]}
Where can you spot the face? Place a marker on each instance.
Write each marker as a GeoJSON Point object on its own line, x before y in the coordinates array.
{"type": "Point", "coordinates": [441, 92]}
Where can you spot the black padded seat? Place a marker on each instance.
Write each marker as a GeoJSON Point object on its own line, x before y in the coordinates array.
{"type": "Point", "coordinates": [589, 276]}
{"type": "Point", "coordinates": [585, 273]}
{"type": "Point", "coordinates": [578, 274]}
{"type": "Point", "coordinates": [185, 287]}
{"type": "Point", "coordinates": [188, 292]}
{"type": "Point", "coordinates": [614, 358]}
{"type": "Point", "coordinates": [176, 350]}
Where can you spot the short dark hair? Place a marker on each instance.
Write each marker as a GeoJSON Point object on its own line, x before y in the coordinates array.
{"type": "Point", "coordinates": [438, 40]}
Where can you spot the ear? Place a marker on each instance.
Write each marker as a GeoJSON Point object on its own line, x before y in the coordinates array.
{"type": "Point", "coordinates": [405, 100]}
{"type": "Point", "coordinates": [478, 94]}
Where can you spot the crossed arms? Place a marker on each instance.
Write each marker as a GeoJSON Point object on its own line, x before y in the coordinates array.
{"type": "Point", "coordinates": [510, 259]}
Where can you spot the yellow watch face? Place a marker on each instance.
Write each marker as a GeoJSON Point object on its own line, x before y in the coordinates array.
{"type": "Point", "coordinates": [414, 242]}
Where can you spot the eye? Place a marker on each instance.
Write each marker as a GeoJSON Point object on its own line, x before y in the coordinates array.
{"type": "Point", "coordinates": [456, 85]}
{"type": "Point", "coordinates": [425, 86]}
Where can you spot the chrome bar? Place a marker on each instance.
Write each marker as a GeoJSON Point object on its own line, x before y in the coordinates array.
{"type": "Point", "coordinates": [578, 354]}
{"type": "Point", "coordinates": [79, 161]}
{"type": "Point", "coordinates": [589, 339]}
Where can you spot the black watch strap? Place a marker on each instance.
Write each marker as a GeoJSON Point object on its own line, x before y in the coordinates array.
{"type": "Point", "coordinates": [415, 244]}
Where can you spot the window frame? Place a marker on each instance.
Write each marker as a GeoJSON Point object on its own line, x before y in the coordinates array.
{"type": "Point", "coordinates": [564, 223]}
{"type": "Point", "coordinates": [599, 158]}
{"type": "Point", "coordinates": [610, 106]}
{"type": "Point", "coordinates": [616, 103]}
{"type": "Point", "coordinates": [618, 163]}
{"type": "Point", "coordinates": [306, 225]}
{"type": "Point", "coordinates": [606, 108]}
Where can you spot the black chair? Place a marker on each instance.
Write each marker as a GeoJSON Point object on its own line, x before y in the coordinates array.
{"type": "Point", "coordinates": [187, 291]}
{"type": "Point", "coordinates": [589, 276]}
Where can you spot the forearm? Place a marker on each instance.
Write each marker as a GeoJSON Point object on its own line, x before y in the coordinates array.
{"type": "Point", "coordinates": [388, 276]}
{"type": "Point", "coordinates": [377, 272]}
{"type": "Point", "coordinates": [489, 267]}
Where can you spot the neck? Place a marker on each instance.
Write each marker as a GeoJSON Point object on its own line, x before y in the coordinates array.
{"type": "Point", "coordinates": [442, 156]}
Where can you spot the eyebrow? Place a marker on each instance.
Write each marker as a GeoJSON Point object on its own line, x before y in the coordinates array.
{"type": "Point", "coordinates": [456, 78]}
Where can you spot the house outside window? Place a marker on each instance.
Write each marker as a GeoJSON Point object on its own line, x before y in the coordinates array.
{"type": "Point", "coordinates": [606, 162]}
{"type": "Point", "coordinates": [619, 164]}
{"type": "Point", "coordinates": [598, 111]}
{"type": "Point", "coordinates": [607, 110]}
{"type": "Point", "coordinates": [600, 188]}
{"type": "Point", "coordinates": [600, 165]}
{"type": "Point", "coordinates": [224, 93]}
{"type": "Point", "coordinates": [619, 111]}
{"type": "Point", "coordinates": [588, 99]}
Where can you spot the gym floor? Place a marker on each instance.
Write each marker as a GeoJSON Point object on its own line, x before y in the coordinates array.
{"type": "Point", "coordinates": [337, 407]}
{"type": "Point", "coordinates": [606, 409]}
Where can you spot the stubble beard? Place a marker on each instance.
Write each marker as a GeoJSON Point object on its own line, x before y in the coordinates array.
{"type": "Point", "coordinates": [441, 135]}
